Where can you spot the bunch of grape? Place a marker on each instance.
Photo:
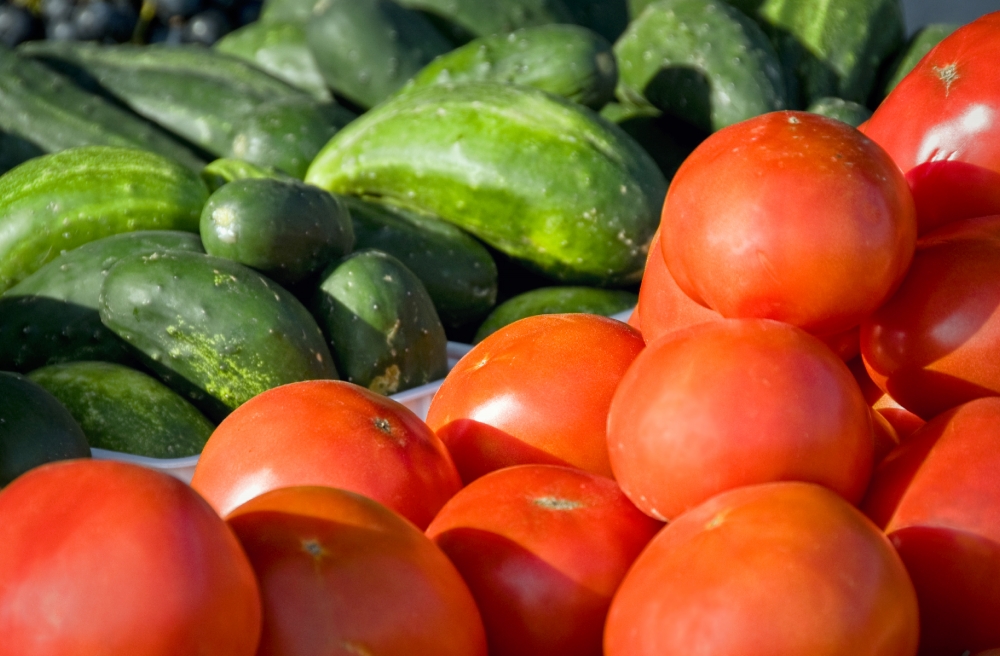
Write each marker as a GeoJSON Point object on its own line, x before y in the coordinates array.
{"type": "Point", "coordinates": [120, 21]}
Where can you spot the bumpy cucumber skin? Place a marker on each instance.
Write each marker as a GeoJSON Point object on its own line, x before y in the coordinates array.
{"type": "Point", "coordinates": [463, 20]}
{"type": "Point", "coordinates": [226, 169]}
{"type": "Point", "coordinates": [609, 18]}
{"type": "Point", "coordinates": [51, 113]}
{"type": "Point", "coordinates": [219, 103]}
{"type": "Point", "coordinates": [217, 332]}
{"type": "Point", "coordinates": [457, 271]}
{"type": "Point", "coordinates": [34, 428]}
{"type": "Point", "coordinates": [556, 300]}
{"type": "Point", "coordinates": [919, 45]}
{"type": "Point", "coordinates": [55, 203]}
{"type": "Point", "coordinates": [121, 409]}
{"type": "Point", "coordinates": [51, 316]}
{"type": "Point", "coordinates": [846, 111]}
{"type": "Point", "coordinates": [700, 60]}
{"type": "Point", "coordinates": [367, 49]}
{"type": "Point", "coordinates": [287, 230]}
{"type": "Point", "coordinates": [567, 60]}
{"type": "Point", "coordinates": [538, 177]}
{"type": "Point", "coordinates": [383, 329]}
{"type": "Point", "coordinates": [280, 48]}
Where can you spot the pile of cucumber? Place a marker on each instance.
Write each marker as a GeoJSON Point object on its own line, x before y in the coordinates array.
{"type": "Point", "coordinates": [338, 188]}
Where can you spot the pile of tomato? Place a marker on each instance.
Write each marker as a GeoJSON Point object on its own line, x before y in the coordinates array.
{"type": "Point", "coordinates": [793, 449]}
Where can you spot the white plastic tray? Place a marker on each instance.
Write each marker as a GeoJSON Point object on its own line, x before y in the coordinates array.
{"type": "Point", "coordinates": [417, 399]}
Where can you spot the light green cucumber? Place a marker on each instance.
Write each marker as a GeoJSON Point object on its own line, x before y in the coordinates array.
{"type": "Point", "coordinates": [556, 300]}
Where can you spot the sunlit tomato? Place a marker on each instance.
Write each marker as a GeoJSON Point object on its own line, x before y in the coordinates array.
{"type": "Point", "coordinates": [886, 437]}
{"type": "Point", "coordinates": [536, 391]}
{"type": "Point", "coordinates": [783, 568]}
{"type": "Point", "coordinates": [939, 498]}
{"type": "Point", "coordinates": [941, 125]}
{"type": "Point", "coordinates": [934, 344]}
{"type": "Point", "coordinates": [903, 421]}
{"type": "Point", "coordinates": [340, 573]}
{"type": "Point", "coordinates": [732, 403]}
{"type": "Point", "coordinates": [789, 216]}
{"type": "Point", "coordinates": [103, 557]}
{"type": "Point", "coordinates": [330, 433]}
{"type": "Point", "coordinates": [543, 550]}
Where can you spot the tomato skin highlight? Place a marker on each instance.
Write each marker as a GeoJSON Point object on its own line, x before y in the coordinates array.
{"type": "Point", "coordinates": [329, 433]}
{"type": "Point", "coordinates": [941, 125]}
{"type": "Point", "coordinates": [789, 216]}
{"type": "Point", "coordinates": [543, 550]}
{"type": "Point", "coordinates": [104, 557]}
{"type": "Point", "coordinates": [739, 402]}
{"type": "Point", "coordinates": [337, 568]}
{"type": "Point", "coordinates": [781, 569]}
{"type": "Point", "coordinates": [535, 392]}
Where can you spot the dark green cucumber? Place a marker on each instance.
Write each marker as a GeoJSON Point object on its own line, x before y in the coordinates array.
{"type": "Point", "coordinates": [463, 20]}
{"type": "Point", "coordinates": [383, 330]}
{"type": "Point", "coordinates": [51, 316]}
{"type": "Point", "coordinates": [287, 230]}
{"type": "Point", "coordinates": [52, 204]}
{"type": "Point", "coordinates": [849, 112]}
{"type": "Point", "coordinates": [225, 169]}
{"type": "Point", "coordinates": [214, 330]}
{"type": "Point", "coordinates": [650, 129]}
{"type": "Point", "coordinates": [540, 178]}
{"type": "Point", "coordinates": [700, 60]}
{"type": "Point", "coordinates": [51, 113]}
{"type": "Point", "coordinates": [556, 300]}
{"type": "Point", "coordinates": [367, 49]}
{"type": "Point", "coordinates": [121, 409]}
{"type": "Point", "coordinates": [567, 60]}
{"type": "Point", "coordinates": [919, 45]}
{"type": "Point", "coordinates": [609, 18]}
{"type": "Point", "coordinates": [279, 48]}
{"type": "Point", "coordinates": [221, 104]}
{"type": "Point", "coordinates": [34, 428]}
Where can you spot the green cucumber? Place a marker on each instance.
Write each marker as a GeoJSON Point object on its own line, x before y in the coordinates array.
{"type": "Point", "coordinates": [219, 103]}
{"type": "Point", "coordinates": [54, 203]}
{"type": "Point", "coordinates": [383, 330]}
{"type": "Point", "coordinates": [217, 332]}
{"type": "Point", "coordinates": [843, 110]}
{"type": "Point", "coordinates": [52, 315]}
{"type": "Point", "coordinates": [540, 178]}
{"type": "Point", "coordinates": [279, 48]}
{"type": "Point", "coordinates": [47, 111]}
{"type": "Point", "coordinates": [294, 11]}
{"type": "Point", "coordinates": [287, 230]}
{"type": "Point", "coordinates": [121, 409]}
{"type": "Point", "coordinates": [650, 129]}
{"type": "Point", "coordinates": [556, 300]}
{"type": "Point", "coordinates": [367, 49]}
{"type": "Point", "coordinates": [567, 60]}
{"type": "Point", "coordinates": [609, 18]}
{"type": "Point", "coordinates": [225, 169]}
{"type": "Point", "coordinates": [457, 271]}
{"type": "Point", "coordinates": [463, 20]}
{"type": "Point", "coordinates": [34, 428]}
{"type": "Point", "coordinates": [919, 45]}
{"type": "Point", "coordinates": [700, 60]}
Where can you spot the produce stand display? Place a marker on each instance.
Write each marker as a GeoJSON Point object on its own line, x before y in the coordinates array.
{"type": "Point", "coordinates": [370, 327]}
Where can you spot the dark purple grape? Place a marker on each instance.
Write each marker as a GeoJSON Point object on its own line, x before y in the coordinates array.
{"type": "Point", "coordinates": [57, 10]}
{"type": "Point", "coordinates": [103, 21]}
{"type": "Point", "coordinates": [249, 13]}
{"type": "Point", "coordinates": [16, 25]}
{"type": "Point", "coordinates": [60, 30]}
{"type": "Point", "coordinates": [206, 27]}
{"type": "Point", "coordinates": [167, 9]}
{"type": "Point", "coordinates": [169, 35]}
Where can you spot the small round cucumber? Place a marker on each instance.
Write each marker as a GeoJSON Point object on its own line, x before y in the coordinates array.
{"type": "Point", "coordinates": [121, 409]}
{"type": "Point", "coordinates": [284, 229]}
{"type": "Point", "coordinates": [556, 300]}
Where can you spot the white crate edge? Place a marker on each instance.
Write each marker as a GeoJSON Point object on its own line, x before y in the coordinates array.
{"type": "Point", "coordinates": [417, 399]}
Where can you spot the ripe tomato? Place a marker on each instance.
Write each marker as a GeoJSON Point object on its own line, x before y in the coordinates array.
{"type": "Point", "coordinates": [330, 433]}
{"type": "Point", "coordinates": [341, 572]}
{"type": "Point", "coordinates": [543, 549]}
{"type": "Point", "coordinates": [941, 125]}
{"type": "Point", "coordinates": [103, 557]}
{"type": "Point", "coordinates": [933, 345]}
{"type": "Point", "coordinates": [536, 391]}
{"type": "Point", "coordinates": [732, 403]}
{"type": "Point", "coordinates": [939, 499]}
{"type": "Point", "coordinates": [789, 216]}
{"type": "Point", "coordinates": [886, 437]}
{"type": "Point", "coordinates": [783, 568]}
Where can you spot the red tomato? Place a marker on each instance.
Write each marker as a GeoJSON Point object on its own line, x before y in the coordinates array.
{"type": "Point", "coordinates": [941, 125]}
{"type": "Point", "coordinates": [536, 391]}
{"type": "Point", "coordinates": [784, 568]}
{"type": "Point", "coordinates": [102, 557]}
{"type": "Point", "coordinates": [789, 216]}
{"type": "Point", "coordinates": [940, 496]}
{"type": "Point", "coordinates": [330, 433]}
{"type": "Point", "coordinates": [903, 421]}
{"type": "Point", "coordinates": [933, 345]}
{"type": "Point", "coordinates": [886, 437]}
{"type": "Point", "coordinates": [341, 572]}
{"type": "Point", "coordinates": [739, 402]}
{"type": "Point", "coordinates": [543, 550]}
